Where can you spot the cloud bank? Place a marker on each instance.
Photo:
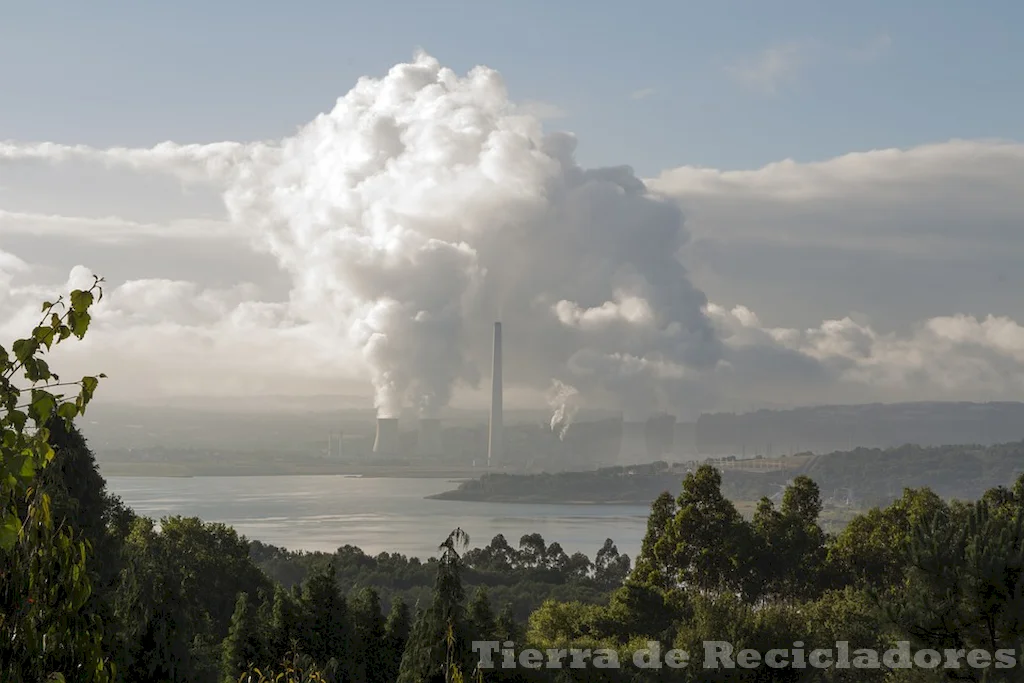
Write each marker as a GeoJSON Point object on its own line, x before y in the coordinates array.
{"type": "Point", "coordinates": [426, 204]}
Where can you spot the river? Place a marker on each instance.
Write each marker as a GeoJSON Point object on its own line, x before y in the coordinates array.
{"type": "Point", "coordinates": [323, 512]}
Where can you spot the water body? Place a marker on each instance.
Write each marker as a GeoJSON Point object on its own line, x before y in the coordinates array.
{"type": "Point", "coordinates": [323, 512]}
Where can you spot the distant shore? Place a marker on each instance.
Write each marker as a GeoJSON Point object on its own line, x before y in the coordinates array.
{"type": "Point", "coordinates": [144, 469]}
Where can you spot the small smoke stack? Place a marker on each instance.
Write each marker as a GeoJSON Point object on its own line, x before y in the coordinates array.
{"type": "Point", "coordinates": [495, 433]}
{"type": "Point", "coordinates": [387, 441]}
{"type": "Point", "coordinates": [634, 443]}
{"type": "Point", "coordinates": [428, 441]}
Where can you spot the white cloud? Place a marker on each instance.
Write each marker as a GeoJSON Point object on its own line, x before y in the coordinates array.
{"type": "Point", "coordinates": [473, 214]}
{"type": "Point", "coordinates": [772, 69]}
{"type": "Point", "coordinates": [642, 93]}
{"type": "Point", "coordinates": [898, 234]}
{"type": "Point", "coordinates": [113, 229]}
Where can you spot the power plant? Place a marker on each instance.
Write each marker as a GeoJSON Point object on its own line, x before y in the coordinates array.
{"type": "Point", "coordinates": [388, 440]}
{"type": "Point", "coordinates": [496, 429]}
{"type": "Point", "coordinates": [428, 441]}
{"type": "Point", "coordinates": [634, 443]}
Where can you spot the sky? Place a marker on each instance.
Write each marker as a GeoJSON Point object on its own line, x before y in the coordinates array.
{"type": "Point", "coordinates": [847, 176]}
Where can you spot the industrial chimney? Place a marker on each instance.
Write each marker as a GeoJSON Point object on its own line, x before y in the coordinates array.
{"type": "Point", "coordinates": [494, 438]}
{"type": "Point", "coordinates": [633, 450]}
{"type": "Point", "coordinates": [428, 441]}
{"type": "Point", "coordinates": [387, 441]}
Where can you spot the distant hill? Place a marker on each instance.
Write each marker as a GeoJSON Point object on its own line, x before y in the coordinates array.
{"type": "Point", "coordinates": [823, 429]}
{"type": "Point", "coordinates": [862, 477]}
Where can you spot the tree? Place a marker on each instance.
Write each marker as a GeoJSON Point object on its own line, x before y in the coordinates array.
{"type": "Point", "coordinates": [372, 647]}
{"type": "Point", "coordinates": [44, 581]}
{"type": "Point", "coordinates": [653, 566]}
{"type": "Point", "coordinates": [396, 634]}
{"type": "Point", "coordinates": [508, 629]}
{"type": "Point", "coordinates": [480, 616]}
{"type": "Point", "coordinates": [532, 550]}
{"type": "Point", "coordinates": [328, 638]}
{"type": "Point", "coordinates": [712, 542]}
{"type": "Point", "coordinates": [872, 550]}
{"type": "Point", "coordinates": [243, 646]}
{"type": "Point", "coordinates": [285, 624]}
{"type": "Point", "coordinates": [964, 586]}
{"type": "Point", "coordinates": [438, 643]}
{"type": "Point", "coordinates": [610, 568]}
{"type": "Point", "coordinates": [155, 616]}
{"type": "Point", "coordinates": [789, 545]}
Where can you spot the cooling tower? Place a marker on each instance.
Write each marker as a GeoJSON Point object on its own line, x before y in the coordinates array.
{"type": "Point", "coordinates": [660, 436]}
{"type": "Point", "coordinates": [387, 441]}
{"type": "Point", "coordinates": [428, 441]}
{"type": "Point", "coordinates": [633, 450]}
{"type": "Point", "coordinates": [494, 437]}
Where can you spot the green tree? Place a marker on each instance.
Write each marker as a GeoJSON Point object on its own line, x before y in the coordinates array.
{"type": "Point", "coordinates": [508, 629]}
{"type": "Point", "coordinates": [653, 566]}
{"type": "Point", "coordinates": [396, 634]}
{"type": "Point", "coordinates": [372, 647]}
{"type": "Point", "coordinates": [789, 545]}
{"type": "Point", "coordinates": [480, 616]}
{"type": "Point", "coordinates": [329, 637]}
{"type": "Point", "coordinates": [610, 568]}
{"type": "Point", "coordinates": [285, 624]}
{"type": "Point", "coordinates": [244, 645]}
{"type": "Point", "coordinates": [44, 578]}
{"type": "Point", "coordinates": [713, 543]}
{"type": "Point", "coordinates": [964, 585]}
{"type": "Point", "coordinates": [872, 550]}
{"type": "Point", "coordinates": [438, 640]}
{"type": "Point", "coordinates": [156, 619]}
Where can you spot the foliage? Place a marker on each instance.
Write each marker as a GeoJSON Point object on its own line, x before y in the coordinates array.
{"type": "Point", "coordinates": [44, 580]}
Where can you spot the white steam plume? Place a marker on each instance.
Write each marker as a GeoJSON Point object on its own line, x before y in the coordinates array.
{"type": "Point", "coordinates": [564, 402]}
{"type": "Point", "coordinates": [424, 203]}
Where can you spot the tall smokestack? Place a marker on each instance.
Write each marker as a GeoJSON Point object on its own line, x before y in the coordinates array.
{"type": "Point", "coordinates": [428, 441]}
{"type": "Point", "coordinates": [387, 441]}
{"type": "Point", "coordinates": [494, 439]}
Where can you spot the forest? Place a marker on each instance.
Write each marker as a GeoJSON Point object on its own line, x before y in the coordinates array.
{"type": "Point", "coordinates": [91, 592]}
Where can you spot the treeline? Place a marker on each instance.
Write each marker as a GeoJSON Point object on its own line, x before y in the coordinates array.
{"type": "Point", "coordinates": [516, 578]}
{"type": "Point", "coordinates": [876, 477]}
{"type": "Point", "coordinates": [189, 601]}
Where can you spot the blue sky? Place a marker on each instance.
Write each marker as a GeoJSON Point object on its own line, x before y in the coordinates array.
{"type": "Point", "coordinates": [725, 84]}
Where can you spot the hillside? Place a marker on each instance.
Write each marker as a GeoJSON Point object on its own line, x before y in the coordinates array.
{"type": "Point", "coordinates": [862, 477]}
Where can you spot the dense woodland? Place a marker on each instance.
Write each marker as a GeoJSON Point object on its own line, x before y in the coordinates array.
{"type": "Point", "coordinates": [91, 592]}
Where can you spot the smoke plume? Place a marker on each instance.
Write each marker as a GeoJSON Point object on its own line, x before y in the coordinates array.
{"type": "Point", "coordinates": [564, 402]}
{"type": "Point", "coordinates": [425, 202]}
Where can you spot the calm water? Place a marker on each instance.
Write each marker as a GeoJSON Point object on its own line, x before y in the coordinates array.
{"type": "Point", "coordinates": [375, 514]}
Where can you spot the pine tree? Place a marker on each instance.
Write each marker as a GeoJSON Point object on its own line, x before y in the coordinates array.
{"type": "Point", "coordinates": [284, 624]}
{"type": "Point", "coordinates": [396, 635]}
{"type": "Point", "coordinates": [438, 640]}
{"type": "Point", "coordinates": [328, 630]}
{"type": "Point", "coordinates": [243, 646]}
{"type": "Point", "coordinates": [480, 616]}
{"type": "Point", "coordinates": [372, 651]}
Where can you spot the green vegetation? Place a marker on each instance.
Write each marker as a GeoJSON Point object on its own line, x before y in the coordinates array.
{"type": "Point", "coordinates": [861, 478]}
{"type": "Point", "coordinates": [92, 592]}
